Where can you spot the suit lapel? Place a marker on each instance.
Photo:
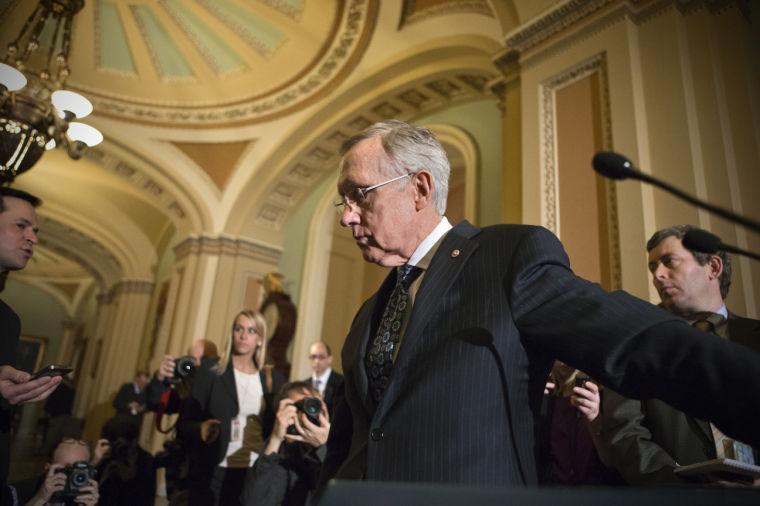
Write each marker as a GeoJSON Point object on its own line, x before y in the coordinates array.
{"type": "Point", "coordinates": [443, 271]}
{"type": "Point", "coordinates": [228, 380]}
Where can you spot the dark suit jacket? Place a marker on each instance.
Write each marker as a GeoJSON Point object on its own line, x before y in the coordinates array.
{"type": "Point", "coordinates": [125, 395]}
{"type": "Point", "coordinates": [334, 384]}
{"type": "Point", "coordinates": [215, 396]}
{"type": "Point", "coordinates": [647, 439]}
{"type": "Point", "coordinates": [443, 417]}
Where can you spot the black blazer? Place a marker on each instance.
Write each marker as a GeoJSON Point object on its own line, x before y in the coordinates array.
{"type": "Point", "coordinates": [215, 396]}
{"type": "Point", "coordinates": [503, 300]}
{"type": "Point", "coordinates": [125, 395]}
{"type": "Point", "coordinates": [647, 439]}
{"type": "Point", "coordinates": [334, 384]}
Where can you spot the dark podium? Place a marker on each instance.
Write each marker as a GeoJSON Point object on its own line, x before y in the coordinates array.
{"type": "Point", "coordinates": [368, 493]}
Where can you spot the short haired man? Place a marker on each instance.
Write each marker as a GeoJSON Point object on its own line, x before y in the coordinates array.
{"type": "Point", "coordinates": [287, 470]}
{"type": "Point", "coordinates": [446, 364]}
{"type": "Point", "coordinates": [132, 398]}
{"type": "Point", "coordinates": [323, 378]}
{"type": "Point", "coordinates": [41, 492]}
{"type": "Point", "coordinates": [18, 236]}
{"type": "Point", "coordinates": [646, 440]}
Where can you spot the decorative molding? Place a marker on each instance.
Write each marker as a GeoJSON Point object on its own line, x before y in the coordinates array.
{"type": "Point", "coordinates": [155, 192]}
{"type": "Point", "coordinates": [347, 45]}
{"type": "Point", "coordinates": [554, 21]}
{"type": "Point", "coordinates": [321, 156]}
{"type": "Point", "coordinates": [131, 286]}
{"type": "Point", "coordinates": [227, 245]}
{"type": "Point", "coordinates": [549, 166]}
{"type": "Point", "coordinates": [411, 14]}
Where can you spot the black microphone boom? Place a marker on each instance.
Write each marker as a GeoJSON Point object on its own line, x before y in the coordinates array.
{"type": "Point", "coordinates": [616, 166]}
{"type": "Point", "coordinates": [705, 242]}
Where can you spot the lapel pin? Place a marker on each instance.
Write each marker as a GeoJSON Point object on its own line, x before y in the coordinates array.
{"type": "Point", "coordinates": [454, 253]}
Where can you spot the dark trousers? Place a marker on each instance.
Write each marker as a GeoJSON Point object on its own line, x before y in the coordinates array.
{"type": "Point", "coordinates": [227, 485]}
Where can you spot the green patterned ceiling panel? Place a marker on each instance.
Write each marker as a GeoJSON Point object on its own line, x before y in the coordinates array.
{"type": "Point", "coordinates": [214, 50]}
{"type": "Point", "coordinates": [167, 57]}
{"type": "Point", "coordinates": [292, 8]}
{"type": "Point", "coordinates": [112, 46]}
{"type": "Point", "coordinates": [259, 33]}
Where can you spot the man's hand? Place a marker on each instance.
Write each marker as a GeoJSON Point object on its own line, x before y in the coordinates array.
{"type": "Point", "coordinates": [102, 449]}
{"type": "Point", "coordinates": [18, 387]}
{"type": "Point", "coordinates": [54, 482]}
{"type": "Point", "coordinates": [210, 430]}
{"type": "Point", "coordinates": [587, 400]}
{"type": "Point", "coordinates": [135, 407]}
{"type": "Point", "coordinates": [309, 433]}
{"type": "Point", "coordinates": [88, 495]}
{"type": "Point", "coordinates": [166, 368]}
{"type": "Point", "coordinates": [549, 388]}
{"type": "Point", "coordinates": [286, 416]}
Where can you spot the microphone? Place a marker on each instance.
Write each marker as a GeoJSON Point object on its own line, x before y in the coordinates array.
{"type": "Point", "coordinates": [483, 338]}
{"type": "Point", "coordinates": [616, 166]}
{"type": "Point", "coordinates": [705, 242]}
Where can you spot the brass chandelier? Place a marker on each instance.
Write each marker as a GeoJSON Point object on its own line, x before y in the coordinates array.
{"type": "Point", "coordinates": [36, 112]}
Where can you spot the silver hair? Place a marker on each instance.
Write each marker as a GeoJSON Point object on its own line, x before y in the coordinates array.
{"type": "Point", "coordinates": [408, 149]}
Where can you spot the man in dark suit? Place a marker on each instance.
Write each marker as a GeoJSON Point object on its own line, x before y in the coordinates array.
{"type": "Point", "coordinates": [446, 364]}
{"type": "Point", "coordinates": [18, 236]}
{"type": "Point", "coordinates": [132, 398]}
{"type": "Point", "coordinates": [323, 378]}
{"type": "Point", "coordinates": [647, 439]}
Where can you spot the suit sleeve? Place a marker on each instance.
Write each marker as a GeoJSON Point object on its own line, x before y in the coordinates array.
{"type": "Point", "coordinates": [628, 344]}
{"type": "Point", "coordinates": [123, 398]}
{"type": "Point", "coordinates": [629, 445]}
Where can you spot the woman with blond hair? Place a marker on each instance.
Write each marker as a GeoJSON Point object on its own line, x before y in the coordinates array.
{"type": "Point", "coordinates": [230, 414]}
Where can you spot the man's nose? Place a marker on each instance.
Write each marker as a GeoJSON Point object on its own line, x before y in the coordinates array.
{"type": "Point", "coordinates": [350, 216]}
{"type": "Point", "coordinates": [31, 236]}
{"type": "Point", "coordinates": [660, 272]}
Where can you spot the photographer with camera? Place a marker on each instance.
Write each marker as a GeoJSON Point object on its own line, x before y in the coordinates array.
{"type": "Point", "coordinates": [288, 469]}
{"type": "Point", "coordinates": [126, 472]}
{"type": "Point", "coordinates": [173, 381]}
{"type": "Point", "coordinates": [68, 479]}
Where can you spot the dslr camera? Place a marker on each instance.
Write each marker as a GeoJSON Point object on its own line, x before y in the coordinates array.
{"type": "Point", "coordinates": [184, 367]}
{"type": "Point", "coordinates": [311, 406]}
{"type": "Point", "coordinates": [78, 475]}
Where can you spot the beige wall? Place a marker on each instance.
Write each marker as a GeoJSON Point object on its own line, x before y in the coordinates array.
{"type": "Point", "coordinates": [682, 105]}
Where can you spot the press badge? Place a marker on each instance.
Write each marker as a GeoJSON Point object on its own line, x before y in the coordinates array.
{"type": "Point", "coordinates": [236, 434]}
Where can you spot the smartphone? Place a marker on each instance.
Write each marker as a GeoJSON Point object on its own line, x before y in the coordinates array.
{"type": "Point", "coordinates": [52, 370]}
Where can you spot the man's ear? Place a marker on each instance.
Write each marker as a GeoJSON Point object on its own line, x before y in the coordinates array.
{"type": "Point", "coordinates": [716, 266]}
{"type": "Point", "coordinates": [423, 185]}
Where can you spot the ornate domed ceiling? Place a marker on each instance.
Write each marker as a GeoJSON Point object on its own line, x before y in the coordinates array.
{"type": "Point", "coordinates": [209, 62]}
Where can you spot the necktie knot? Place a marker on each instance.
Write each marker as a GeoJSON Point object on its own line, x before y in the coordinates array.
{"type": "Point", "coordinates": [407, 274]}
{"type": "Point", "coordinates": [707, 321]}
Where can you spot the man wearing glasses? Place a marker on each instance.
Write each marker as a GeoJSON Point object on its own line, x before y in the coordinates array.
{"type": "Point", "coordinates": [446, 364]}
{"type": "Point", "coordinates": [323, 378]}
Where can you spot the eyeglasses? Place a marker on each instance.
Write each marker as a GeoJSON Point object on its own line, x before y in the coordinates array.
{"type": "Point", "coordinates": [317, 357]}
{"type": "Point", "coordinates": [358, 195]}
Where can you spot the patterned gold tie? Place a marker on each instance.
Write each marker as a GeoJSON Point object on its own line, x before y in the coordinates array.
{"type": "Point", "coordinates": [379, 360]}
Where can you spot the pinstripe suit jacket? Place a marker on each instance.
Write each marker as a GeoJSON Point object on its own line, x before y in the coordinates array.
{"type": "Point", "coordinates": [443, 417]}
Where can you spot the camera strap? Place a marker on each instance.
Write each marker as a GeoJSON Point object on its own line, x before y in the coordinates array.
{"type": "Point", "coordinates": [163, 404]}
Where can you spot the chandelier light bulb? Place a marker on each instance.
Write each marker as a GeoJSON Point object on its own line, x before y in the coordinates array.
{"type": "Point", "coordinates": [76, 104]}
{"type": "Point", "coordinates": [50, 145]}
{"type": "Point", "coordinates": [12, 79]}
{"type": "Point", "coordinates": [84, 133]}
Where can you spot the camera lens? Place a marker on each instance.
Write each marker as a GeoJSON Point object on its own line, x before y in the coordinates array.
{"type": "Point", "coordinates": [185, 366]}
{"type": "Point", "coordinates": [79, 477]}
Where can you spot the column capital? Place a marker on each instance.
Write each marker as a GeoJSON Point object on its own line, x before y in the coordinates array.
{"type": "Point", "coordinates": [227, 244]}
